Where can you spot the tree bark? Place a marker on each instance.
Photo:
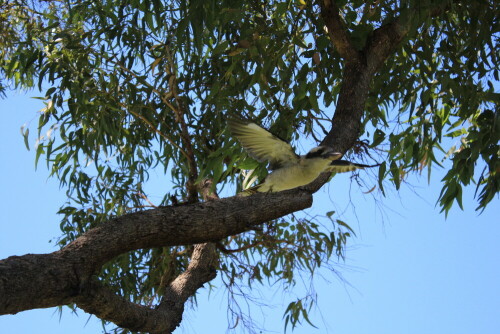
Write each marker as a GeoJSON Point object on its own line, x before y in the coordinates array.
{"type": "Point", "coordinates": [360, 68]}
{"type": "Point", "coordinates": [66, 276]}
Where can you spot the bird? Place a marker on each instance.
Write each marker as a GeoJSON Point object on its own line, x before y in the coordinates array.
{"type": "Point", "coordinates": [290, 170]}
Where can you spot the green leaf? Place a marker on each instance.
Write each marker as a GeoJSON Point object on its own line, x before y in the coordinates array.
{"type": "Point", "coordinates": [381, 176]}
{"type": "Point", "coordinates": [39, 152]}
{"type": "Point", "coordinates": [378, 137]}
{"type": "Point", "coordinates": [395, 171]}
{"type": "Point", "coordinates": [220, 48]}
{"type": "Point", "coordinates": [25, 134]}
{"type": "Point", "coordinates": [342, 223]}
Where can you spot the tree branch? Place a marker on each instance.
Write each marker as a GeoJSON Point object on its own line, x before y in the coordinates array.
{"type": "Point", "coordinates": [201, 269]}
{"type": "Point", "coordinates": [359, 70]}
{"type": "Point", "coordinates": [99, 300]}
{"type": "Point", "coordinates": [180, 111]}
{"type": "Point", "coordinates": [337, 31]}
{"type": "Point", "coordinates": [384, 42]}
{"type": "Point", "coordinates": [361, 67]}
{"type": "Point", "coordinates": [66, 276]}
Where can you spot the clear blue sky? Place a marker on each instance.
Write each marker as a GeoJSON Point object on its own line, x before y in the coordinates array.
{"type": "Point", "coordinates": [408, 270]}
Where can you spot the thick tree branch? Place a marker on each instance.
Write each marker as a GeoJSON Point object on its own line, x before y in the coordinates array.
{"type": "Point", "coordinates": [361, 67]}
{"type": "Point", "coordinates": [356, 80]}
{"type": "Point", "coordinates": [201, 269]}
{"type": "Point", "coordinates": [384, 42]}
{"type": "Point", "coordinates": [99, 300]}
{"type": "Point", "coordinates": [57, 278]}
{"type": "Point", "coordinates": [337, 31]}
{"type": "Point", "coordinates": [346, 122]}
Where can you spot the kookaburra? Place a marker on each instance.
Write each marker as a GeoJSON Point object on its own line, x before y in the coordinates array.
{"type": "Point", "coordinates": [289, 169]}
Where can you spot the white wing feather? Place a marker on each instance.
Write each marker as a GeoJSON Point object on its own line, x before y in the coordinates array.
{"type": "Point", "coordinates": [262, 145]}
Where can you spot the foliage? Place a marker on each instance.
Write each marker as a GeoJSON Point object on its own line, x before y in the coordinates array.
{"type": "Point", "coordinates": [134, 87]}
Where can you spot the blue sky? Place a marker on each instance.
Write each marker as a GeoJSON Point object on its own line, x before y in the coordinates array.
{"type": "Point", "coordinates": [409, 270]}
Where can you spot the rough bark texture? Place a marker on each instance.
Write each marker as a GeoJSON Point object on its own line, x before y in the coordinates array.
{"type": "Point", "coordinates": [46, 280]}
{"type": "Point", "coordinates": [100, 301]}
{"type": "Point", "coordinates": [360, 67]}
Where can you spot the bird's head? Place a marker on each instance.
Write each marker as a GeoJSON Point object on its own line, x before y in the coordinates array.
{"type": "Point", "coordinates": [323, 152]}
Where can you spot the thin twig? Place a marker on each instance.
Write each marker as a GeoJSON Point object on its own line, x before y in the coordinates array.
{"type": "Point", "coordinates": [223, 249]}
{"type": "Point", "coordinates": [186, 138]}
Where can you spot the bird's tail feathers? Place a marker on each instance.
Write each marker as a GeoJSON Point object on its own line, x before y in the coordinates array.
{"type": "Point", "coordinates": [343, 166]}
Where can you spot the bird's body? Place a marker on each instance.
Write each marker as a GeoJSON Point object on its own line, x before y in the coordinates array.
{"type": "Point", "coordinates": [295, 175]}
{"type": "Point", "coordinates": [289, 169]}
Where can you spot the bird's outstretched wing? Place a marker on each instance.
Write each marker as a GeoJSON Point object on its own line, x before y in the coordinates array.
{"type": "Point", "coordinates": [343, 166]}
{"type": "Point", "coordinates": [261, 144]}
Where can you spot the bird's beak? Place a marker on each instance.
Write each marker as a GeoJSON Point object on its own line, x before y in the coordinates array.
{"type": "Point", "coordinates": [333, 156]}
